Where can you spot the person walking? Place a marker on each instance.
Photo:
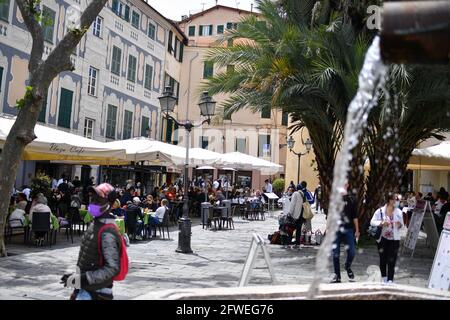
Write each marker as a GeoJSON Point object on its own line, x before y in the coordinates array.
{"type": "Point", "coordinates": [390, 219]}
{"type": "Point", "coordinates": [101, 252]}
{"type": "Point", "coordinates": [318, 197]}
{"type": "Point", "coordinates": [348, 232]}
{"type": "Point", "coordinates": [307, 196]}
{"type": "Point", "coordinates": [296, 212]}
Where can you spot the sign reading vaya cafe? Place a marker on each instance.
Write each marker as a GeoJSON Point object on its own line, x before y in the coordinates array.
{"type": "Point", "coordinates": [62, 149]}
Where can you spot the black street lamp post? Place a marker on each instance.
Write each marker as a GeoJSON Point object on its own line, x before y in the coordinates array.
{"type": "Point", "coordinates": [207, 107]}
{"type": "Point", "coordinates": [308, 145]}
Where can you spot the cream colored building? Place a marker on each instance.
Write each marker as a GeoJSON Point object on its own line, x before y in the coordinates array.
{"type": "Point", "coordinates": [257, 134]}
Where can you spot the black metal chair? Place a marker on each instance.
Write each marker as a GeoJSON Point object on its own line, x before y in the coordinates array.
{"type": "Point", "coordinates": [40, 222]}
{"type": "Point", "coordinates": [9, 231]}
{"type": "Point", "coordinates": [229, 221]}
{"type": "Point", "coordinates": [76, 220]}
{"type": "Point", "coordinates": [67, 224]}
{"type": "Point", "coordinates": [164, 224]}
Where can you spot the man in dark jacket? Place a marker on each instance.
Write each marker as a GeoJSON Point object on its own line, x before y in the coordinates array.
{"type": "Point", "coordinates": [93, 279]}
{"type": "Point", "coordinates": [349, 233]}
{"type": "Point", "coordinates": [134, 219]}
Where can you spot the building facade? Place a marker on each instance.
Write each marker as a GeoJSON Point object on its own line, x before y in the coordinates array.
{"type": "Point", "coordinates": [121, 66]}
{"type": "Point", "coordinates": [258, 134]}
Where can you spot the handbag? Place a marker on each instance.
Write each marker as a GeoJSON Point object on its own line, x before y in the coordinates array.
{"type": "Point", "coordinates": [307, 212]}
{"type": "Point", "coordinates": [375, 232]}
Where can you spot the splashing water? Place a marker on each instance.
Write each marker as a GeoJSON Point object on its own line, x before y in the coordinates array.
{"type": "Point", "coordinates": [371, 79]}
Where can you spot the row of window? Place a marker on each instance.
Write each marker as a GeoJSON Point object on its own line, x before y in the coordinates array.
{"type": "Point", "coordinates": [65, 113]}
{"type": "Point", "coordinates": [111, 124]}
{"type": "Point", "coordinates": [122, 10]}
{"type": "Point", "coordinates": [207, 30]}
{"type": "Point", "coordinates": [264, 149]}
{"type": "Point", "coordinates": [116, 62]}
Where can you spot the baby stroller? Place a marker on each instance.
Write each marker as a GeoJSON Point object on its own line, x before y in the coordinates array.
{"type": "Point", "coordinates": [287, 228]}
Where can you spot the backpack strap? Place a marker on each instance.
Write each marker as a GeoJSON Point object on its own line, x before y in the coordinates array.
{"type": "Point", "coordinates": [116, 232]}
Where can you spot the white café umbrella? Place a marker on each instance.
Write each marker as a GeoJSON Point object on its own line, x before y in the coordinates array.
{"type": "Point", "coordinates": [205, 168]}
{"type": "Point", "coordinates": [54, 144]}
{"type": "Point", "coordinates": [246, 162]}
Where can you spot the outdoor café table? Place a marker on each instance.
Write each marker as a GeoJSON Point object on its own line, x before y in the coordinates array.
{"type": "Point", "coordinates": [147, 214]}
{"type": "Point", "coordinates": [120, 223]}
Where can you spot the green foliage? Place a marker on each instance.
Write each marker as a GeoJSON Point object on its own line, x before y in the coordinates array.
{"type": "Point", "coordinates": [79, 32]}
{"type": "Point", "coordinates": [41, 183]}
{"type": "Point", "coordinates": [28, 97]}
{"type": "Point", "coordinates": [278, 185]}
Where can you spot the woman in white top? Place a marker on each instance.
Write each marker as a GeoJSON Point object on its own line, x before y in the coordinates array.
{"type": "Point", "coordinates": [390, 218]}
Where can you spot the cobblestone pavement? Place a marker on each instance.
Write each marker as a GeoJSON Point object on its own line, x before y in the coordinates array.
{"type": "Point", "coordinates": [218, 260]}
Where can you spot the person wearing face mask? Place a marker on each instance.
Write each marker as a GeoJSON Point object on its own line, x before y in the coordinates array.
{"type": "Point", "coordinates": [97, 267]}
{"type": "Point", "coordinates": [390, 219]}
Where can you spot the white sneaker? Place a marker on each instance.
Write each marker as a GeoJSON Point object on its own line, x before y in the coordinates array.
{"type": "Point", "coordinates": [390, 282]}
{"type": "Point", "coordinates": [384, 280]}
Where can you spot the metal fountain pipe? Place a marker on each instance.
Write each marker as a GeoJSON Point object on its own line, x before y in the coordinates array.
{"type": "Point", "coordinates": [416, 32]}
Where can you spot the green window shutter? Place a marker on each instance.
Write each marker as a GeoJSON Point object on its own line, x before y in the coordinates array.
{"type": "Point", "coordinates": [176, 133]}
{"type": "Point", "coordinates": [43, 109]}
{"type": "Point", "coordinates": [284, 119]}
{"type": "Point", "coordinates": [127, 13]}
{"type": "Point", "coordinates": [135, 19]}
{"type": "Point", "coordinates": [148, 77]}
{"type": "Point", "coordinates": [48, 20]}
{"type": "Point", "coordinates": [175, 49]}
{"type": "Point", "coordinates": [111, 121]}
{"type": "Point", "coordinates": [208, 69]}
{"type": "Point", "coordinates": [4, 10]}
{"type": "Point", "coordinates": [151, 31]}
{"type": "Point", "coordinates": [200, 30]}
{"type": "Point", "coordinates": [1, 78]}
{"type": "Point", "coordinates": [169, 45]}
{"type": "Point", "coordinates": [115, 6]}
{"type": "Point", "coordinates": [144, 125]}
{"type": "Point", "coordinates": [210, 29]}
{"type": "Point", "coordinates": [169, 130]}
{"type": "Point", "coordinates": [127, 125]}
{"type": "Point", "coordinates": [65, 108]}
{"type": "Point", "coordinates": [116, 60]}
{"type": "Point", "coordinates": [220, 29]}
{"type": "Point", "coordinates": [204, 142]}
{"type": "Point", "coordinates": [132, 61]}
{"type": "Point", "coordinates": [180, 58]}
{"type": "Point", "coordinates": [229, 25]}
{"type": "Point", "coordinates": [192, 31]}
{"type": "Point", "coordinates": [266, 113]}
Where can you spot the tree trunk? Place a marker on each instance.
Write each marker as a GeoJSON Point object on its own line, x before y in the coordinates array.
{"type": "Point", "coordinates": [41, 75]}
{"type": "Point", "coordinates": [21, 134]}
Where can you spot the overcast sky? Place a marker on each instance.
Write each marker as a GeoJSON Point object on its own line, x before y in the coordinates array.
{"type": "Point", "coordinates": [174, 9]}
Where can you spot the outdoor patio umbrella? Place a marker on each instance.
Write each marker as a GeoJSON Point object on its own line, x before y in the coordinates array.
{"type": "Point", "coordinates": [53, 144]}
{"type": "Point", "coordinates": [246, 162]}
{"type": "Point", "coordinates": [431, 158]}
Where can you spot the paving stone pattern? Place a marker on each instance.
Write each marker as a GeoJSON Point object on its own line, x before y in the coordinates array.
{"type": "Point", "coordinates": [218, 260]}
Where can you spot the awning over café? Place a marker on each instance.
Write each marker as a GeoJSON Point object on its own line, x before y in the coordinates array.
{"type": "Point", "coordinates": [53, 144]}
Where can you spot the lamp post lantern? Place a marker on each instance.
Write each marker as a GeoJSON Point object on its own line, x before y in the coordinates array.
{"type": "Point", "coordinates": [291, 144]}
{"type": "Point", "coordinates": [207, 108]}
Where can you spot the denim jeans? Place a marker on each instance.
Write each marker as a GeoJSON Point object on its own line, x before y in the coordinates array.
{"type": "Point", "coordinates": [84, 295]}
{"type": "Point", "coordinates": [348, 237]}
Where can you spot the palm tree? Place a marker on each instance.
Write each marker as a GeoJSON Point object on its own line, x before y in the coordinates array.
{"type": "Point", "coordinates": [416, 110]}
{"type": "Point", "coordinates": [295, 62]}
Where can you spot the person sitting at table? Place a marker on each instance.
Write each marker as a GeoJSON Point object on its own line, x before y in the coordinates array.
{"type": "Point", "coordinates": [149, 203]}
{"type": "Point", "coordinates": [128, 195]}
{"type": "Point", "coordinates": [39, 207]}
{"type": "Point", "coordinates": [219, 196]}
{"type": "Point", "coordinates": [117, 209]}
{"type": "Point", "coordinates": [17, 218]}
{"type": "Point", "coordinates": [157, 217]}
{"type": "Point", "coordinates": [134, 219]}
{"type": "Point", "coordinates": [21, 201]}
